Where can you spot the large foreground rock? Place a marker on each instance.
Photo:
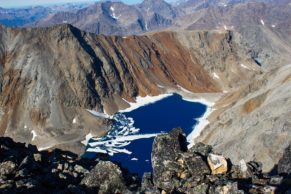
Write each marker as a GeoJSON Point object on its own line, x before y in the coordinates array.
{"type": "Point", "coordinates": [106, 177]}
{"type": "Point", "coordinates": [23, 169]}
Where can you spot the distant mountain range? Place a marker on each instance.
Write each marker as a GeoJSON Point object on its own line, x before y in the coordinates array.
{"type": "Point", "coordinates": [117, 18]}
{"type": "Point", "coordinates": [20, 17]}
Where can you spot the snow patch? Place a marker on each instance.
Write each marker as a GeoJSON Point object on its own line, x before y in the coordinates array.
{"type": "Point", "coordinates": [146, 27]}
{"type": "Point", "coordinates": [25, 127]}
{"type": "Point", "coordinates": [74, 120]}
{"type": "Point", "coordinates": [225, 27]}
{"type": "Point", "coordinates": [160, 86]}
{"type": "Point", "coordinates": [262, 22]}
{"type": "Point", "coordinates": [216, 76]}
{"type": "Point", "coordinates": [113, 13]}
{"type": "Point", "coordinates": [99, 114]}
{"type": "Point", "coordinates": [243, 66]}
{"type": "Point", "coordinates": [44, 148]}
{"type": "Point", "coordinates": [222, 4]}
{"type": "Point", "coordinates": [34, 135]}
{"type": "Point", "coordinates": [273, 26]}
{"type": "Point", "coordinates": [142, 101]}
{"type": "Point", "coordinates": [184, 90]}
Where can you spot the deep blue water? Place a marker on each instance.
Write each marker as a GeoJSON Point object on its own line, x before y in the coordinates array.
{"type": "Point", "coordinates": [162, 116]}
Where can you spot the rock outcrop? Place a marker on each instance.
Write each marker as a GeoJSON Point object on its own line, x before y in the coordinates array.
{"type": "Point", "coordinates": [190, 171]}
{"type": "Point", "coordinates": [23, 169]}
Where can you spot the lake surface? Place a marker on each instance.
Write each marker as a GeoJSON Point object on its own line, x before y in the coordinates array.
{"type": "Point", "coordinates": [130, 141]}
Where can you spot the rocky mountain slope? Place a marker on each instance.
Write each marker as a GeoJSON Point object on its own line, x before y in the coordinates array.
{"type": "Point", "coordinates": [23, 169]}
{"type": "Point", "coordinates": [255, 118]}
{"type": "Point", "coordinates": [50, 76]}
{"type": "Point", "coordinates": [264, 25]}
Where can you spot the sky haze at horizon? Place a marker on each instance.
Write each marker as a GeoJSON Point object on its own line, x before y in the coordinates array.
{"type": "Point", "coordinates": [24, 3]}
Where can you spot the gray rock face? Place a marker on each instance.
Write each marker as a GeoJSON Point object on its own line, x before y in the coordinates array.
{"type": "Point", "coordinates": [179, 170]}
{"type": "Point", "coordinates": [164, 167]}
{"type": "Point", "coordinates": [106, 177]}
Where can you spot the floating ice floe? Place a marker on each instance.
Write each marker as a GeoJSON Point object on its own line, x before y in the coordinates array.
{"type": "Point", "coordinates": [120, 136]}
{"type": "Point", "coordinates": [134, 159]}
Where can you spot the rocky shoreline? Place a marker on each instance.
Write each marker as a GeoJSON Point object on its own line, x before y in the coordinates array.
{"type": "Point", "coordinates": [176, 169]}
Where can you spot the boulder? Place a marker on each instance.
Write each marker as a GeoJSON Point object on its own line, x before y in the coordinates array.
{"type": "Point", "coordinates": [217, 164]}
{"type": "Point", "coordinates": [196, 165]}
{"type": "Point", "coordinates": [166, 149]}
{"type": "Point", "coordinates": [255, 167]}
{"type": "Point", "coordinates": [147, 185]}
{"type": "Point", "coordinates": [228, 188]}
{"type": "Point", "coordinates": [199, 189]}
{"type": "Point", "coordinates": [201, 149]}
{"type": "Point", "coordinates": [7, 168]}
{"type": "Point", "coordinates": [105, 177]}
